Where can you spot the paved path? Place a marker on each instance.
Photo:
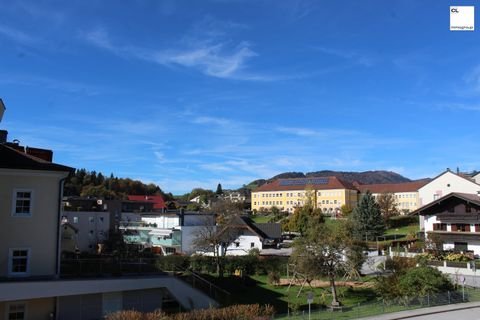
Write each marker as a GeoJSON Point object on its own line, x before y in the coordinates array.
{"type": "Point", "coordinates": [373, 261]}
{"type": "Point", "coordinates": [469, 310]}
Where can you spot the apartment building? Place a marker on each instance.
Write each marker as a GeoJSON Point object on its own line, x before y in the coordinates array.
{"type": "Point", "coordinates": [406, 194]}
{"type": "Point", "coordinates": [327, 193]}
{"type": "Point", "coordinates": [453, 219]}
{"type": "Point", "coordinates": [445, 183]}
{"type": "Point", "coordinates": [32, 285]}
{"type": "Point", "coordinates": [30, 193]}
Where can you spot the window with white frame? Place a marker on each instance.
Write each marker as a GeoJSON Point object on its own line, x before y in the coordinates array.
{"type": "Point", "coordinates": [16, 311]}
{"type": "Point", "coordinates": [22, 203]}
{"type": "Point", "coordinates": [19, 261]}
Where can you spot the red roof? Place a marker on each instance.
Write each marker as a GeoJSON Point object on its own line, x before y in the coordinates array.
{"type": "Point", "coordinates": [392, 187]}
{"type": "Point", "coordinates": [317, 183]}
{"type": "Point", "coordinates": [158, 202]}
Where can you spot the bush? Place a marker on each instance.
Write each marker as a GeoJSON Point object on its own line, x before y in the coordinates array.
{"type": "Point", "coordinates": [235, 312]}
{"type": "Point", "coordinates": [401, 221]}
{"type": "Point", "coordinates": [273, 278]}
{"type": "Point", "coordinates": [173, 263]}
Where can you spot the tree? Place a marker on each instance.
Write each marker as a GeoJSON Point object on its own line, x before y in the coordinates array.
{"type": "Point", "coordinates": [367, 220]}
{"type": "Point", "coordinates": [346, 210]}
{"type": "Point", "coordinates": [306, 215]}
{"type": "Point", "coordinates": [219, 189]}
{"type": "Point", "coordinates": [388, 205]}
{"type": "Point", "coordinates": [322, 252]}
{"type": "Point", "coordinates": [216, 239]}
{"type": "Point", "coordinates": [408, 281]}
{"type": "Point", "coordinates": [226, 209]}
{"type": "Point", "coordinates": [423, 280]}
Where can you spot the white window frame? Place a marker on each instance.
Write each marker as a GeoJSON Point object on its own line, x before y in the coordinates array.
{"type": "Point", "coordinates": [10, 262]}
{"type": "Point", "coordinates": [16, 303]}
{"type": "Point", "coordinates": [14, 203]}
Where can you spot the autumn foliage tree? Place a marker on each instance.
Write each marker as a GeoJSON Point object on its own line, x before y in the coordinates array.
{"type": "Point", "coordinates": [92, 184]}
{"type": "Point", "coordinates": [388, 205]}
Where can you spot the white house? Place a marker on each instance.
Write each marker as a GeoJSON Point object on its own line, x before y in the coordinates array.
{"type": "Point", "coordinates": [455, 220]}
{"type": "Point", "coordinates": [244, 235]}
{"type": "Point", "coordinates": [444, 184]}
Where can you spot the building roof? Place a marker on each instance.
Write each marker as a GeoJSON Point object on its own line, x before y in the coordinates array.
{"type": "Point", "coordinates": [430, 208]}
{"type": "Point", "coordinates": [271, 230]}
{"type": "Point", "coordinates": [263, 230]}
{"type": "Point", "coordinates": [158, 202]}
{"type": "Point", "coordinates": [11, 158]}
{"type": "Point", "coordinates": [320, 183]}
{"type": "Point", "coordinates": [392, 187]}
{"type": "Point", "coordinates": [458, 175]}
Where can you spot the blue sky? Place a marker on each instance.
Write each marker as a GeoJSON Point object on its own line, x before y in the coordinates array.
{"type": "Point", "coordinates": [192, 93]}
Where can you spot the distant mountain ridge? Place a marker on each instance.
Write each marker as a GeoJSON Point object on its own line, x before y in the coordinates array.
{"type": "Point", "coordinates": [366, 177]}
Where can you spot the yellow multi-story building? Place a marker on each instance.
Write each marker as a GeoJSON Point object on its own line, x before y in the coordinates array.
{"type": "Point", "coordinates": [406, 194]}
{"type": "Point", "coordinates": [327, 193]}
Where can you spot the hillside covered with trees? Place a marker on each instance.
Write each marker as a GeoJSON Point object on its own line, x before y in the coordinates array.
{"type": "Point", "coordinates": [92, 184]}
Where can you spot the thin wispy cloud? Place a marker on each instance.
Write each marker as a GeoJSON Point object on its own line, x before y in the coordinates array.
{"type": "Point", "coordinates": [350, 55]}
{"type": "Point", "coordinates": [213, 60]}
{"type": "Point", "coordinates": [50, 14]}
{"type": "Point", "coordinates": [218, 59]}
{"type": "Point", "coordinates": [458, 106]}
{"type": "Point", "coordinates": [472, 79]}
{"type": "Point", "coordinates": [63, 85]}
{"type": "Point", "coordinates": [18, 36]}
{"type": "Point", "coordinates": [212, 120]}
{"type": "Point", "coordinates": [309, 132]}
{"type": "Point", "coordinates": [302, 132]}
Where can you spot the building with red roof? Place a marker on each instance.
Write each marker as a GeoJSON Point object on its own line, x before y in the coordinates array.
{"type": "Point", "coordinates": [158, 202]}
{"type": "Point", "coordinates": [405, 193]}
{"type": "Point", "coordinates": [327, 193]}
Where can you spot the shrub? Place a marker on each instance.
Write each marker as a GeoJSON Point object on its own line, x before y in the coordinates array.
{"type": "Point", "coordinates": [401, 221]}
{"type": "Point", "coordinates": [173, 262]}
{"type": "Point", "coordinates": [235, 312]}
{"type": "Point", "coordinates": [273, 278]}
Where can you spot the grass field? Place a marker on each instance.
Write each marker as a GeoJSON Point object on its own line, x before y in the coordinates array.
{"type": "Point", "coordinates": [413, 228]}
{"type": "Point", "coordinates": [260, 218]}
{"type": "Point", "coordinates": [255, 289]}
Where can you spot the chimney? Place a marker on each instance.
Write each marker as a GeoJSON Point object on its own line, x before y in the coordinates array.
{"type": "Point", "coordinates": [3, 136]}
{"type": "Point", "coordinates": [43, 154]}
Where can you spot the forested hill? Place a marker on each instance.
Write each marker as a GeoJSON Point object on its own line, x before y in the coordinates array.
{"type": "Point", "coordinates": [366, 177]}
{"type": "Point", "coordinates": [90, 183]}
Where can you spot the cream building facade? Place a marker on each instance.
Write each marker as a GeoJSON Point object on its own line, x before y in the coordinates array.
{"type": "Point", "coordinates": [30, 190]}
{"type": "Point", "coordinates": [31, 283]}
{"type": "Point", "coordinates": [327, 193]}
{"type": "Point", "coordinates": [406, 194]}
{"type": "Point", "coordinates": [445, 183]}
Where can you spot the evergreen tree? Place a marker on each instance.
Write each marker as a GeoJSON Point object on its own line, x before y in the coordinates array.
{"type": "Point", "coordinates": [367, 220]}
{"type": "Point", "coordinates": [219, 189]}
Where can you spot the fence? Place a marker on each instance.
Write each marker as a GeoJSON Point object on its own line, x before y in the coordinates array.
{"type": "Point", "coordinates": [107, 267]}
{"type": "Point", "coordinates": [213, 291]}
{"type": "Point", "coordinates": [381, 307]}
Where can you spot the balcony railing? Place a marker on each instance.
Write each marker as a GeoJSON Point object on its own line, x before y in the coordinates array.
{"type": "Point", "coordinates": [107, 267]}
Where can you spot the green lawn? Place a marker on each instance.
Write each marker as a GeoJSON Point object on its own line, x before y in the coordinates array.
{"type": "Point", "coordinates": [255, 289]}
{"type": "Point", "coordinates": [413, 228]}
{"type": "Point", "coordinates": [260, 218]}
